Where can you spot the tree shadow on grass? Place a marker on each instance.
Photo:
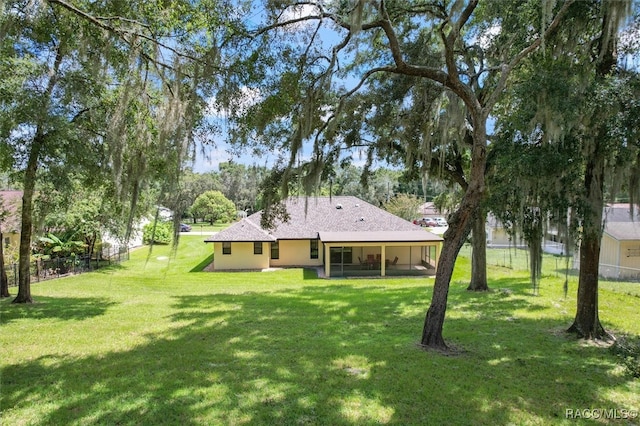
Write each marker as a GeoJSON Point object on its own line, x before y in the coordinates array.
{"type": "Point", "coordinates": [518, 293]}
{"type": "Point", "coordinates": [60, 308]}
{"type": "Point", "coordinates": [338, 354]}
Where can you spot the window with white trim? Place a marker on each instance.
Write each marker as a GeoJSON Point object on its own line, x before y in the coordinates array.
{"type": "Point", "coordinates": [226, 247]}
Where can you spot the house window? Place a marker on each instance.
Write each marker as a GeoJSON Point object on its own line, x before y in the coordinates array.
{"type": "Point", "coordinates": [275, 250]}
{"type": "Point", "coordinates": [314, 249]}
{"type": "Point", "coordinates": [257, 247]}
{"type": "Point", "coordinates": [7, 241]}
{"type": "Point", "coordinates": [226, 247]}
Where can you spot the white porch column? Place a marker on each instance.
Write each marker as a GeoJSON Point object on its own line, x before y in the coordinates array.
{"type": "Point", "coordinates": [383, 262]}
{"type": "Point", "coordinates": [327, 260]}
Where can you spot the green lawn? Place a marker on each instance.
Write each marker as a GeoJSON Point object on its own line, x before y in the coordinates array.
{"type": "Point", "coordinates": [206, 226]}
{"type": "Point", "coordinates": [154, 341]}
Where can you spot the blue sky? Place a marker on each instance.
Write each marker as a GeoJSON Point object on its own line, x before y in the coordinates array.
{"type": "Point", "coordinates": [213, 156]}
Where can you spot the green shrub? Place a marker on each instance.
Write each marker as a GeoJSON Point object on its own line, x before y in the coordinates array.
{"type": "Point", "coordinates": [52, 246]}
{"type": "Point", "coordinates": [163, 233]}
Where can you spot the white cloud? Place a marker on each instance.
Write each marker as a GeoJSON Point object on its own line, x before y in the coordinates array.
{"type": "Point", "coordinates": [485, 40]}
{"type": "Point", "coordinates": [248, 97]}
{"type": "Point", "coordinates": [210, 159]}
{"type": "Point", "coordinates": [296, 12]}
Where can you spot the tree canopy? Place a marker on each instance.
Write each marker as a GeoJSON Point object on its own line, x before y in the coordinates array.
{"type": "Point", "coordinates": [114, 98]}
{"type": "Point", "coordinates": [440, 47]}
{"type": "Point", "coordinates": [118, 90]}
{"type": "Point", "coordinates": [214, 206]}
{"type": "Point", "coordinates": [561, 154]}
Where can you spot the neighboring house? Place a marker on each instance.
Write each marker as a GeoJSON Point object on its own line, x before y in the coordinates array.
{"type": "Point", "coordinates": [344, 235]}
{"type": "Point", "coordinates": [10, 203]}
{"type": "Point", "coordinates": [498, 237]}
{"type": "Point", "coordinates": [429, 209]}
{"type": "Point", "coordinates": [620, 247]}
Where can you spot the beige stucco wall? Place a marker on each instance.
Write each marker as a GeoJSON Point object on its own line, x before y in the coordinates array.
{"type": "Point", "coordinates": [14, 239]}
{"type": "Point", "coordinates": [11, 251]}
{"type": "Point", "coordinates": [497, 236]}
{"type": "Point", "coordinates": [241, 257]}
{"type": "Point", "coordinates": [615, 261]}
{"type": "Point", "coordinates": [609, 251]}
{"type": "Point", "coordinates": [296, 253]}
{"type": "Point", "coordinates": [627, 261]}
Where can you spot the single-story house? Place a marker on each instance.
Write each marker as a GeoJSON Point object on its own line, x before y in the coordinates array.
{"type": "Point", "coordinates": [10, 204]}
{"type": "Point", "coordinates": [343, 235]}
{"type": "Point", "coordinates": [620, 246]}
{"type": "Point", "coordinates": [429, 209]}
{"type": "Point", "coordinates": [499, 237]}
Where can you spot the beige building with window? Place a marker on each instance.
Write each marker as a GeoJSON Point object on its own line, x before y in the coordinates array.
{"type": "Point", "coordinates": [342, 236]}
{"type": "Point", "coordinates": [620, 247]}
{"type": "Point", "coordinates": [10, 203]}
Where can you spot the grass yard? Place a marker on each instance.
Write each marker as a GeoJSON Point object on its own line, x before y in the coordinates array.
{"type": "Point", "coordinates": [206, 226]}
{"type": "Point", "coordinates": [156, 341]}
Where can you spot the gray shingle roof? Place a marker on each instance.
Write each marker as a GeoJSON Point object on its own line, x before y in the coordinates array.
{"type": "Point", "coordinates": [243, 231]}
{"type": "Point", "coordinates": [620, 224]}
{"type": "Point", "coordinates": [310, 216]}
{"type": "Point", "coordinates": [623, 231]}
{"type": "Point", "coordinates": [621, 212]}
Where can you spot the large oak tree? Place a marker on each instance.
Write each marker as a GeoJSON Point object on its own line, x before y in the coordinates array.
{"type": "Point", "coordinates": [579, 132]}
{"type": "Point", "coordinates": [119, 88]}
{"type": "Point", "coordinates": [304, 99]}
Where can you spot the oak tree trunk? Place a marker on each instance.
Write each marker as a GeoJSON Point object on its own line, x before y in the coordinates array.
{"type": "Point", "coordinates": [24, 261]}
{"type": "Point", "coordinates": [587, 322]}
{"type": "Point", "coordinates": [479, 253]}
{"type": "Point", "coordinates": [29, 184]}
{"type": "Point", "coordinates": [434, 321]}
{"type": "Point", "coordinates": [4, 280]}
{"type": "Point", "coordinates": [459, 228]}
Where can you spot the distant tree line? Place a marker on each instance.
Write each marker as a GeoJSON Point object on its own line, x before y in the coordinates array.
{"type": "Point", "coordinates": [241, 185]}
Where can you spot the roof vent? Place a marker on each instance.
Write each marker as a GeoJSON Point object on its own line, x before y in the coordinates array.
{"type": "Point", "coordinates": [361, 218]}
{"type": "Point", "coordinates": [338, 206]}
{"type": "Point", "coordinates": [357, 205]}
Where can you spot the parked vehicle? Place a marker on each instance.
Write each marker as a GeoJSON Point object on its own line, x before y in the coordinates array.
{"type": "Point", "coordinates": [441, 221]}
{"type": "Point", "coordinates": [427, 221]}
{"type": "Point", "coordinates": [184, 227]}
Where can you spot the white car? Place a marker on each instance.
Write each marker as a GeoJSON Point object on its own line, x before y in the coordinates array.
{"type": "Point", "coordinates": [441, 221]}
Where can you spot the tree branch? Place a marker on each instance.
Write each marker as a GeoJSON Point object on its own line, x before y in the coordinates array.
{"type": "Point", "coordinates": [125, 34]}
{"type": "Point", "coordinates": [507, 68]}
{"type": "Point", "coordinates": [344, 97]}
